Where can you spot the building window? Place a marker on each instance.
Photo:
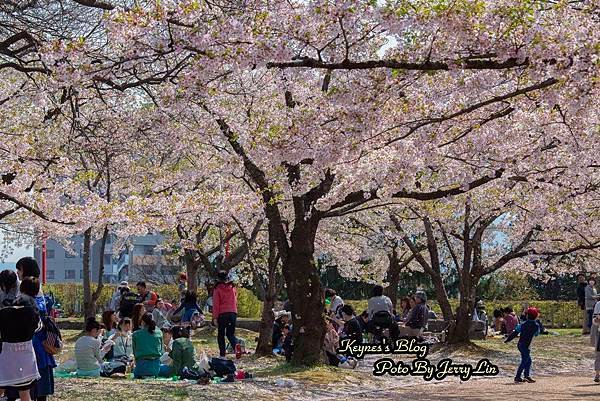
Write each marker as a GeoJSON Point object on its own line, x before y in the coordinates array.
{"type": "Point", "coordinates": [69, 274]}
{"type": "Point", "coordinates": [50, 274]}
{"type": "Point", "coordinates": [107, 259]}
{"type": "Point", "coordinates": [50, 254]}
{"type": "Point", "coordinates": [148, 250]}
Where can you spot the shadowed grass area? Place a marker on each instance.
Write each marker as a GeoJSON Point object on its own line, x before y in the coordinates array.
{"type": "Point", "coordinates": [564, 351]}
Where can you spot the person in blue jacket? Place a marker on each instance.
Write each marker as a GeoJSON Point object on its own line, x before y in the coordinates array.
{"type": "Point", "coordinates": [28, 267]}
{"type": "Point", "coordinates": [526, 331]}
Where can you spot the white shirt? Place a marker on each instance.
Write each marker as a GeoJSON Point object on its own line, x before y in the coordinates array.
{"type": "Point", "coordinates": [597, 308]}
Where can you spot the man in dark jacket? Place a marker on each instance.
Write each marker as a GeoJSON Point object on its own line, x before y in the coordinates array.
{"type": "Point", "coordinates": [418, 316]}
{"type": "Point", "coordinates": [581, 283]}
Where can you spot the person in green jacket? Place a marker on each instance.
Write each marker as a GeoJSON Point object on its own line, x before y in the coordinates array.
{"type": "Point", "coordinates": [182, 353]}
{"type": "Point", "coordinates": [147, 348]}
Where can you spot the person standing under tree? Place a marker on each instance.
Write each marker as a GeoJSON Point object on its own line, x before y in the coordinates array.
{"type": "Point", "coordinates": [581, 284]}
{"type": "Point", "coordinates": [225, 311]}
{"type": "Point", "coordinates": [28, 267]}
{"type": "Point", "coordinates": [591, 296]}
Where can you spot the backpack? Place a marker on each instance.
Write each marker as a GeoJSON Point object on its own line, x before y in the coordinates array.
{"type": "Point", "coordinates": [53, 343]}
{"type": "Point", "coordinates": [222, 367]}
{"type": "Point", "coordinates": [128, 301]}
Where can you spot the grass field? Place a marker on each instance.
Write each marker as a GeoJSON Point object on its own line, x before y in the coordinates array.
{"type": "Point", "coordinates": [564, 352]}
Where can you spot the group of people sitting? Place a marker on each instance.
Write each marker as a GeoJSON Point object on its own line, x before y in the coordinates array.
{"type": "Point", "coordinates": [143, 333]}
{"type": "Point", "coordinates": [151, 351]}
{"type": "Point", "coordinates": [505, 320]}
{"type": "Point", "coordinates": [127, 303]}
{"type": "Point", "coordinates": [379, 320]}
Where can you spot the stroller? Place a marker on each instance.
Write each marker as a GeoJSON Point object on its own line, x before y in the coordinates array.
{"type": "Point", "coordinates": [382, 325]}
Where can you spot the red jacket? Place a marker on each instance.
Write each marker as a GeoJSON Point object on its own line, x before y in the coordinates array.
{"type": "Point", "coordinates": [224, 299]}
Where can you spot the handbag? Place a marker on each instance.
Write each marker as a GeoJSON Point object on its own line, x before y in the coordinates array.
{"type": "Point", "coordinates": [53, 343]}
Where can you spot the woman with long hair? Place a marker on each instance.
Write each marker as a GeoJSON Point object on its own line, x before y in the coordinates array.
{"type": "Point", "coordinates": [404, 308]}
{"type": "Point", "coordinates": [109, 320]}
{"type": "Point", "coordinates": [138, 313]}
{"type": "Point", "coordinates": [147, 348]}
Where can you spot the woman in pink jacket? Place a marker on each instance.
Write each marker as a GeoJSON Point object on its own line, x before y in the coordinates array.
{"type": "Point", "coordinates": [225, 311]}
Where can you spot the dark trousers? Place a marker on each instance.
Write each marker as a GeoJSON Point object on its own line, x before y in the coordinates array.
{"type": "Point", "coordinates": [590, 316]}
{"type": "Point", "coordinates": [332, 359]}
{"type": "Point", "coordinates": [525, 365]}
{"type": "Point", "coordinates": [226, 323]}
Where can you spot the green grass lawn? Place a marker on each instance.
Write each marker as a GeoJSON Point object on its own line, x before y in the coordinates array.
{"type": "Point", "coordinates": [562, 351]}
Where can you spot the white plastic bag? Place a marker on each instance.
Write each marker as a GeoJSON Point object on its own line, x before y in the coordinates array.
{"type": "Point", "coordinates": [282, 382]}
{"type": "Point", "coordinates": [203, 362]}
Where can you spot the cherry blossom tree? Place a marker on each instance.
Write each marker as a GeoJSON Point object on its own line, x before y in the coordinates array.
{"type": "Point", "coordinates": [325, 107]}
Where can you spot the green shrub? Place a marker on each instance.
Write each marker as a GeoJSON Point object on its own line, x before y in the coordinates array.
{"type": "Point", "coordinates": [554, 314]}
{"type": "Point", "coordinates": [249, 306]}
{"type": "Point", "coordinates": [70, 297]}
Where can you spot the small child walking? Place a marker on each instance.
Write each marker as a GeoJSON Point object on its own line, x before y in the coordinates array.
{"type": "Point", "coordinates": [526, 331]}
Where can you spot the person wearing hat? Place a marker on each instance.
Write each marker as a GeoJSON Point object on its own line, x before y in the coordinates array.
{"type": "Point", "coordinates": [526, 331]}
{"type": "Point", "coordinates": [479, 314]}
{"type": "Point", "coordinates": [281, 319]}
{"type": "Point", "coordinates": [418, 316]}
{"type": "Point", "coordinates": [115, 300]}
{"type": "Point", "coordinates": [225, 311]}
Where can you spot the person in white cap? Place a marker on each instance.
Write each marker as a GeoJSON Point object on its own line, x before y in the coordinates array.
{"type": "Point", "coordinates": [115, 300]}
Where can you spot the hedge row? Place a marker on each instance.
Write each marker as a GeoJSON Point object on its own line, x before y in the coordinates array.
{"type": "Point", "coordinates": [554, 314]}
{"type": "Point", "coordinates": [70, 297]}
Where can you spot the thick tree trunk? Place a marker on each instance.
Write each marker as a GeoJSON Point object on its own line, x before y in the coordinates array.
{"type": "Point", "coordinates": [192, 276]}
{"type": "Point", "coordinates": [305, 293]}
{"type": "Point", "coordinates": [265, 331]}
{"type": "Point", "coordinates": [393, 277]}
{"type": "Point", "coordinates": [459, 331]}
{"type": "Point", "coordinates": [89, 308]}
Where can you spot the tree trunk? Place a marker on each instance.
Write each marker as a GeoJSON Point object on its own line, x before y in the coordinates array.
{"type": "Point", "coordinates": [265, 331]}
{"type": "Point", "coordinates": [100, 283]}
{"type": "Point", "coordinates": [459, 330]}
{"type": "Point", "coordinates": [192, 276]}
{"type": "Point", "coordinates": [393, 277]}
{"type": "Point", "coordinates": [305, 293]}
{"type": "Point", "coordinates": [89, 308]}
{"type": "Point", "coordinates": [264, 346]}
{"type": "Point", "coordinates": [442, 296]}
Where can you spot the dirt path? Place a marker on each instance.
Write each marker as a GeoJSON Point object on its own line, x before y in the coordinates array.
{"type": "Point", "coordinates": [500, 389]}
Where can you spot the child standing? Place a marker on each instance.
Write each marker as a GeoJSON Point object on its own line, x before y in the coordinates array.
{"type": "Point", "coordinates": [526, 331]}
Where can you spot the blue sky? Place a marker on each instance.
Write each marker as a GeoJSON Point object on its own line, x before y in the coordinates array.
{"type": "Point", "coordinates": [17, 254]}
